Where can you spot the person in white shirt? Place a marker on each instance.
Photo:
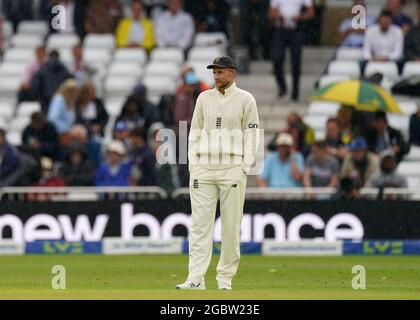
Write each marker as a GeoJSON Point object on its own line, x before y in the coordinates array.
{"type": "Point", "coordinates": [286, 15]}
{"type": "Point", "coordinates": [175, 27]}
{"type": "Point", "coordinates": [384, 41]}
{"type": "Point", "coordinates": [218, 170]}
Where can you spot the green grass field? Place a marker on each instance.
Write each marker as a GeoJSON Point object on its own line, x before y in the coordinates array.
{"type": "Point", "coordinates": [154, 277]}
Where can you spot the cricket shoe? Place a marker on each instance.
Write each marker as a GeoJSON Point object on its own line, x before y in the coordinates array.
{"type": "Point", "coordinates": [221, 285]}
{"type": "Point", "coordinates": [191, 285]}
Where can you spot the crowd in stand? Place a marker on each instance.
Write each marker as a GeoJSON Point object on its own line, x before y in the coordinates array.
{"type": "Point", "coordinates": [63, 145]}
{"type": "Point", "coordinates": [360, 150]}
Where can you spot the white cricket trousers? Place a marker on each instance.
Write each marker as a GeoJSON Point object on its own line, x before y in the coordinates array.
{"type": "Point", "coordinates": [206, 187]}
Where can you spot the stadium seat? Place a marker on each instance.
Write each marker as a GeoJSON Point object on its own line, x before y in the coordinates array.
{"type": "Point", "coordinates": [24, 55]}
{"type": "Point", "coordinates": [414, 154]}
{"type": "Point", "coordinates": [320, 135]}
{"type": "Point", "coordinates": [132, 55]}
{"type": "Point", "coordinates": [9, 86]}
{"type": "Point", "coordinates": [6, 110]}
{"type": "Point", "coordinates": [114, 106]}
{"type": "Point", "coordinates": [323, 108]}
{"type": "Point", "coordinates": [26, 41]}
{"type": "Point", "coordinates": [62, 40]}
{"type": "Point", "coordinates": [66, 56]}
{"type": "Point", "coordinates": [174, 55]}
{"type": "Point", "coordinates": [159, 85]}
{"type": "Point", "coordinates": [407, 107]}
{"type": "Point", "coordinates": [344, 68]}
{"type": "Point", "coordinates": [413, 182]}
{"type": "Point", "coordinates": [349, 54]}
{"type": "Point", "coordinates": [97, 56]}
{"type": "Point", "coordinates": [169, 69]}
{"type": "Point", "coordinates": [14, 137]}
{"type": "Point", "coordinates": [327, 80]}
{"type": "Point", "coordinates": [12, 69]}
{"type": "Point", "coordinates": [399, 122]}
{"type": "Point", "coordinates": [99, 41]}
{"type": "Point", "coordinates": [411, 68]}
{"type": "Point", "coordinates": [19, 124]}
{"type": "Point", "coordinates": [316, 122]}
{"type": "Point", "coordinates": [125, 69]}
{"type": "Point", "coordinates": [205, 39]}
{"type": "Point", "coordinates": [204, 54]}
{"type": "Point", "coordinates": [409, 169]}
{"type": "Point", "coordinates": [388, 69]}
{"type": "Point", "coordinates": [25, 109]}
{"type": "Point", "coordinates": [119, 86]}
{"type": "Point", "coordinates": [33, 27]}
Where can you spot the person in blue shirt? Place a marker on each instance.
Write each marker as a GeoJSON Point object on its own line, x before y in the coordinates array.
{"type": "Point", "coordinates": [399, 19]}
{"type": "Point", "coordinates": [143, 159]}
{"type": "Point", "coordinates": [115, 171]}
{"type": "Point", "coordinates": [284, 168]}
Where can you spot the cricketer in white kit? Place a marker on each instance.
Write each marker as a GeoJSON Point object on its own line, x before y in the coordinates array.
{"type": "Point", "coordinates": [222, 146]}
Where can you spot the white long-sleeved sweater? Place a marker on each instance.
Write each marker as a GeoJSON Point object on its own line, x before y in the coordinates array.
{"type": "Point", "coordinates": [224, 130]}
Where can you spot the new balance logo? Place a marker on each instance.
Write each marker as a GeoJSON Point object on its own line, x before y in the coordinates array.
{"type": "Point", "coordinates": [218, 123]}
{"type": "Point", "coordinates": [195, 184]}
{"type": "Point", "coordinates": [253, 126]}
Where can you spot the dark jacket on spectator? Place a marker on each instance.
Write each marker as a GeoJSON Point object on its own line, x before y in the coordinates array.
{"type": "Point", "coordinates": [9, 160]}
{"type": "Point", "coordinates": [144, 162]}
{"type": "Point", "coordinates": [47, 80]}
{"type": "Point", "coordinates": [412, 44]}
{"type": "Point", "coordinates": [415, 129]}
{"type": "Point", "coordinates": [17, 11]}
{"type": "Point", "coordinates": [77, 175]}
{"type": "Point", "coordinates": [48, 138]}
{"type": "Point", "coordinates": [395, 139]}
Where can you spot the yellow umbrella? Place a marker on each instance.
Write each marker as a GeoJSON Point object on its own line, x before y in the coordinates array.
{"type": "Point", "coordinates": [361, 95]}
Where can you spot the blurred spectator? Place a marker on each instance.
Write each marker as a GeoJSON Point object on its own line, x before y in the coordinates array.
{"type": "Point", "coordinates": [298, 134]}
{"type": "Point", "coordinates": [256, 27]}
{"type": "Point", "coordinates": [25, 93]}
{"type": "Point", "coordinates": [350, 36]}
{"type": "Point", "coordinates": [48, 179]}
{"type": "Point", "coordinates": [412, 42]}
{"type": "Point", "coordinates": [81, 71]}
{"type": "Point", "coordinates": [74, 16]}
{"type": "Point", "coordinates": [415, 127]}
{"type": "Point", "coordinates": [76, 168]}
{"type": "Point", "coordinates": [91, 111]}
{"type": "Point", "coordinates": [115, 171]}
{"type": "Point", "coordinates": [286, 15]}
{"type": "Point", "coordinates": [46, 81]}
{"type": "Point", "coordinates": [383, 41]}
{"type": "Point", "coordinates": [121, 132]}
{"type": "Point", "coordinates": [335, 145]}
{"type": "Point", "coordinates": [213, 16]}
{"type": "Point", "coordinates": [168, 174]}
{"type": "Point", "coordinates": [9, 159]}
{"type": "Point", "coordinates": [283, 169]}
{"type": "Point", "coordinates": [295, 123]}
{"type": "Point", "coordinates": [321, 169]}
{"type": "Point", "coordinates": [360, 164]}
{"type": "Point", "coordinates": [40, 138]}
{"type": "Point", "coordinates": [386, 177]}
{"type": "Point", "coordinates": [187, 70]}
{"type": "Point", "coordinates": [78, 134]}
{"type": "Point", "coordinates": [102, 16]}
{"type": "Point", "coordinates": [175, 27]}
{"type": "Point", "coordinates": [142, 158]}
{"type": "Point", "coordinates": [351, 123]}
{"type": "Point", "coordinates": [185, 101]}
{"type": "Point", "coordinates": [62, 110]}
{"type": "Point", "coordinates": [16, 11]}
{"type": "Point", "coordinates": [137, 31]}
{"type": "Point", "coordinates": [382, 137]}
{"type": "Point", "coordinates": [348, 190]}
{"type": "Point", "coordinates": [137, 111]}
{"type": "Point", "coordinates": [398, 18]}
